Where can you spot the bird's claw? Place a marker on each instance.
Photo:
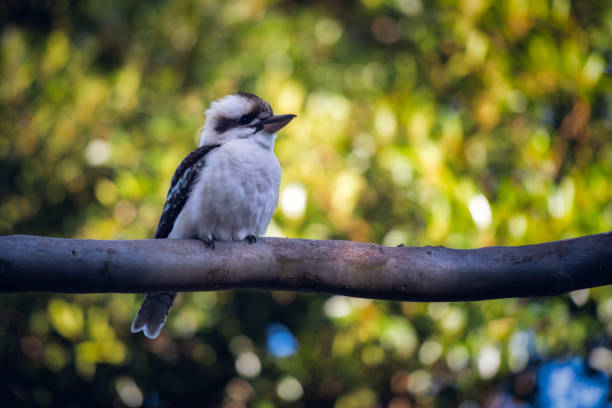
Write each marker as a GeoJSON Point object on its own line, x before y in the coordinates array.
{"type": "Point", "coordinates": [209, 243]}
{"type": "Point", "coordinates": [251, 239]}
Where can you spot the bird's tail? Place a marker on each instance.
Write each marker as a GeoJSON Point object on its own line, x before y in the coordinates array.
{"type": "Point", "coordinates": [153, 313]}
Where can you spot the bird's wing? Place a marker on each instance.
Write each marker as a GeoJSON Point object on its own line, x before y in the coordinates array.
{"type": "Point", "coordinates": [180, 187]}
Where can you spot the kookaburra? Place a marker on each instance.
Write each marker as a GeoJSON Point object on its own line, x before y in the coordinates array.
{"type": "Point", "coordinates": [227, 189]}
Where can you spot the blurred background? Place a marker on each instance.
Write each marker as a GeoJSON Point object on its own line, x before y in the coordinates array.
{"type": "Point", "coordinates": [456, 123]}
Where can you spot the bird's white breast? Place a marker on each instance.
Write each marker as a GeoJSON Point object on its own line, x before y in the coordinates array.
{"type": "Point", "coordinates": [235, 195]}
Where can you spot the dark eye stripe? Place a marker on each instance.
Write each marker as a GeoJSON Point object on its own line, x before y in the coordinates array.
{"type": "Point", "coordinates": [246, 119]}
{"type": "Point", "coordinates": [224, 124]}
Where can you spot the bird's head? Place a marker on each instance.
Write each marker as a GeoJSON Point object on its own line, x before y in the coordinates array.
{"type": "Point", "coordinates": [242, 115]}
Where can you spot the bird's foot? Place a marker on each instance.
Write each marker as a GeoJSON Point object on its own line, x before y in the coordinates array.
{"type": "Point", "coordinates": [209, 243]}
{"type": "Point", "coordinates": [251, 239]}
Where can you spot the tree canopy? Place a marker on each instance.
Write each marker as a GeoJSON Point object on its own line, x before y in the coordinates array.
{"type": "Point", "coordinates": [456, 123]}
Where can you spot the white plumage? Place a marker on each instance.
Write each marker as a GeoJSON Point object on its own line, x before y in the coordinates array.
{"type": "Point", "coordinates": [235, 195]}
{"type": "Point", "coordinates": [227, 189]}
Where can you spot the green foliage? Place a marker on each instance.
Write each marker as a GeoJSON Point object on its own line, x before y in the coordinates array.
{"type": "Point", "coordinates": [425, 123]}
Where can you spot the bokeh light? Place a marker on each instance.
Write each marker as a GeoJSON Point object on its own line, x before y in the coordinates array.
{"type": "Point", "coordinates": [280, 341]}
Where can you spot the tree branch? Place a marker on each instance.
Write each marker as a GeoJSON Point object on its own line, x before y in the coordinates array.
{"type": "Point", "coordinates": [39, 264]}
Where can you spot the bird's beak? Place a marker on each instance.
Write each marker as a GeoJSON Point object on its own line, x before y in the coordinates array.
{"type": "Point", "coordinates": [275, 123]}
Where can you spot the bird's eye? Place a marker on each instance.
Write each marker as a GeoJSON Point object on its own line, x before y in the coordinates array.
{"type": "Point", "coordinates": [246, 119]}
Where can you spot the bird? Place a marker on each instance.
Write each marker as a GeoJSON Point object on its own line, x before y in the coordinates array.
{"type": "Point", "coordinates": [225, 190]}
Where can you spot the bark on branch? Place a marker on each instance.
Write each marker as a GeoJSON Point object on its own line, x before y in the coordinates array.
{"type": "Point", "coordinates": [39, 264]}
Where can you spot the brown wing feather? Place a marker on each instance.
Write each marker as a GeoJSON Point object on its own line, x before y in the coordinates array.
{"type": "Point", "coordinates": [180, 187]}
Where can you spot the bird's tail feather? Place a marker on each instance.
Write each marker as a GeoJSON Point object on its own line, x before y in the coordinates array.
{"type": "Point", "coordinates": [152, 314]}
